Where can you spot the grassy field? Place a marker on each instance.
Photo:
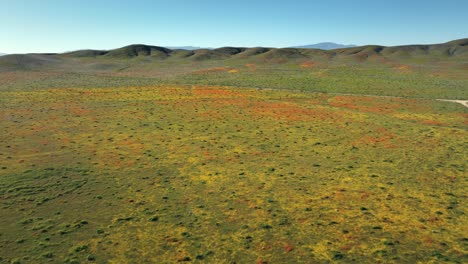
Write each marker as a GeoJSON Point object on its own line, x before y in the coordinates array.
{"type": "Point", "coordinates": [177, 173]}
{"type": "Point", "coordinates": [438, 80]}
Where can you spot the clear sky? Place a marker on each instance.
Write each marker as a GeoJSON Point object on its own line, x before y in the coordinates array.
{"type": "Point", "coordinates": [65, 25]}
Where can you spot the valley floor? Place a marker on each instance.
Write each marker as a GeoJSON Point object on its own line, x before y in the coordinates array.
{"type": "Point", "coordinates": [167, 174]}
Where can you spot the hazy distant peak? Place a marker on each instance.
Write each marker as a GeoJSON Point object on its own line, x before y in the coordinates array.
{"type": "Point", "coordinates": [1, 54]}
{"type": "Point", "coordinates": [325, 46]}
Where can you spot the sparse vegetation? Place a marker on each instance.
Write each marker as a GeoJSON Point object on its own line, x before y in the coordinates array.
{"type": "Point", "coordinates": [206, 173]}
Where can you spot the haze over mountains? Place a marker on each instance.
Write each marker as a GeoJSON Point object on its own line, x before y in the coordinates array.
{"type": "Point", "coordinates": [325, 46]}
{"type": "Point", "coordinates": [1, 54]}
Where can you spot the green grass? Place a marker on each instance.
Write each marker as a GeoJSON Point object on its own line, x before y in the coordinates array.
{"type": "Point", "coordinates": [353, 79]}
{"type": "Point", "coordinates": [390, 78]}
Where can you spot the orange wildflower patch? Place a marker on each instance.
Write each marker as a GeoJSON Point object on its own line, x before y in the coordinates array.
{"type": "Point", "coordinates": [403, 68]}
{"type": "Point", "coordinates": [366, 104]}
{"type": "Point", "coordinates": [79, 111]}
{"type": "Point", "coordinates": [465, 116]}
{"type": "Point", "coordinates": [428, 241]}
{"type": "Point", "coordinates": [308, 64]}
{"type": "Point", "coordinates": [288, 111]}
{"type": "Point", "coordinates": [288, 248]}
{"type": "Point", "coordinates": [251, 66]}
{"type": "Point", "coordinates": [384, 139]}
{"type": "Point", "coordinates": [212, 92]}
{"type": "Point", "coordinates": [432, 122]}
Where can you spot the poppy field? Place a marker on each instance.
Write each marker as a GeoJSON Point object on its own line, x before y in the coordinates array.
{"type": "Point", "coordinates": [210, 174]}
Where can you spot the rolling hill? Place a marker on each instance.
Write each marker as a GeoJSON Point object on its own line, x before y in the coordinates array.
{"type": "Point", "coordinates": [452, 48]}
{"type": "Point", "coordinates": [144, 55]}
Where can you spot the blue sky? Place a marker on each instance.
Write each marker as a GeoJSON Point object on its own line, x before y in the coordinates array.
{"type": "Point", "coordinates": [64, 25]}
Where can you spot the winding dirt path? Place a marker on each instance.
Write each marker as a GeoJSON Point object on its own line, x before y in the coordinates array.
{"type": "Point", "coordinates": [463, 102]}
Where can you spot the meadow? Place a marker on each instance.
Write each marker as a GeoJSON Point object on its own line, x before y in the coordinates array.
{"type": "Point", "coordinates": [145, 154]}
{"type": "Point", "coordinates": [183, 168]}
{"type": "Point", "coordinates": [429, 80]}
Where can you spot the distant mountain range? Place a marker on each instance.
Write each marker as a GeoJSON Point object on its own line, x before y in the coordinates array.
{"type": "Point", "coordinates": [325, 46]}
{"type": "Point", "coordinates": [1, 54]}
